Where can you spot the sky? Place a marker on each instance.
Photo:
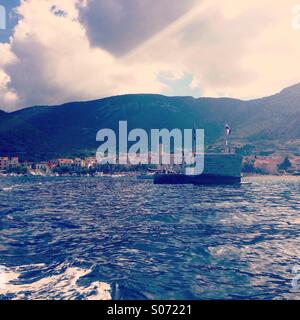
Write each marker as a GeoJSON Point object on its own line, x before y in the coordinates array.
{"type": "Point", "coordinates": [55, 51]}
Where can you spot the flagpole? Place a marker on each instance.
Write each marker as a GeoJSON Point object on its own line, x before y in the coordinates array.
{"type": "Point", "coordinates": [225, 138]}
{"type": "Point", "coordinates": [227, 132]}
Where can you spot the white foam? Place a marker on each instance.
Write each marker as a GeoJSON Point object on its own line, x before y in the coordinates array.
{"type": "Point", "coordinates": [11, 188]}
{"type": "Point", "coordinates": [62, 286]}
{"type": "Point", "coordinates": [8, 189]}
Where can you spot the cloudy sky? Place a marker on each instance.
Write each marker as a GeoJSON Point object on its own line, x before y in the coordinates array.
{"type": "Point", "coordinates": [55, 51]}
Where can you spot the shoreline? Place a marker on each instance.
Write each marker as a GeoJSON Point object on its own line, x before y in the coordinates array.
{"type": "Point", "coordinates": [126, 174]}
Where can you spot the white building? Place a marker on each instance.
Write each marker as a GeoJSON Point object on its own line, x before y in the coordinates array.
{"type": "Point", "coordinates": [43, 166]}
{"type": "Point", "coordinates": [90, 162]}
{"type": "Point", "coordinates": [8, 162]}
{"type": "Point", "coordinates": [79, 163]}
{"type": "Point", "coordinates": [65, 162]}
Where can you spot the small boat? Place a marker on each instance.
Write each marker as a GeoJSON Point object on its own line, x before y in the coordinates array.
{"type": "Point", "coordinates": [118, 175]}
{"type": "Point", "coordinates": [146, 176]}
{"type": "Point", "coordinates": [98, 174]}
{"type": "Point", "coordinates": [153, 173]}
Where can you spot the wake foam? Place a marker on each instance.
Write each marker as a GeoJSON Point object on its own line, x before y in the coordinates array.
{"type": "Point", "coordinates": [62, 286]}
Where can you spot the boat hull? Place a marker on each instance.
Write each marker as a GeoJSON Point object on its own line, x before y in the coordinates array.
{"type": "Point", "coordinates": [203, 179]}
{"type": "Point", "coordinates": [146, 177]}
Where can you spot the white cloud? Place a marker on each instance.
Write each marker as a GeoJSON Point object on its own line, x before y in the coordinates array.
{"type": "Point", "coordinates": [55, 63]}
{"type": "Point", "coordinates": [8, 96]}
{"type": "Point", "coordinates": [243, 50]}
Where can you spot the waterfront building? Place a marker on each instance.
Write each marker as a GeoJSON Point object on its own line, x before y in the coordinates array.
{"type": "Point", "coordinates": [90, 162]}
{"type": "Point", "coordinates": [43, 166]}
{"type": "Point", "coordinates": [79, 163]}
{"type": "Point", "coordinates": [65, 162]}
{"type": "Point", "coordinates": [8, 162]}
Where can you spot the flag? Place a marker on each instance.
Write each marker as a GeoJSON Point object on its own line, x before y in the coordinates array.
{"type": "Point", "coordinates": [228, 130]}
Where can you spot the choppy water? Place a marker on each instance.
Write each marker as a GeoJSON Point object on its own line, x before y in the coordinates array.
{"type": "Point", "coordinates": [102, 238]}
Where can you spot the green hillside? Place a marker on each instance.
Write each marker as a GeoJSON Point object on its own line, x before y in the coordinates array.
{"type": "Point", "coordinates": [44, 132]}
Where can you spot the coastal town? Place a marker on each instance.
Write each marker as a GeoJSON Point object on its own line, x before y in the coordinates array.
{"type": "Point", "coordinates": [88, 166]}
{"type": "Point", "coordinates": [13, 166]}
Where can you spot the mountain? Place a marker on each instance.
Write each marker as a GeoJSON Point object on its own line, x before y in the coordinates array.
{"type": "Point", "coordinates": [3, 115]}
{"type": "Point", "coordinates": [43, 132]}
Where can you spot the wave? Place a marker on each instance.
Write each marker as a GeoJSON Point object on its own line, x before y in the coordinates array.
{"type": "Point", "coordinates": [61, 286]}
{"type": "Point", "coordinates": [10, 188]}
